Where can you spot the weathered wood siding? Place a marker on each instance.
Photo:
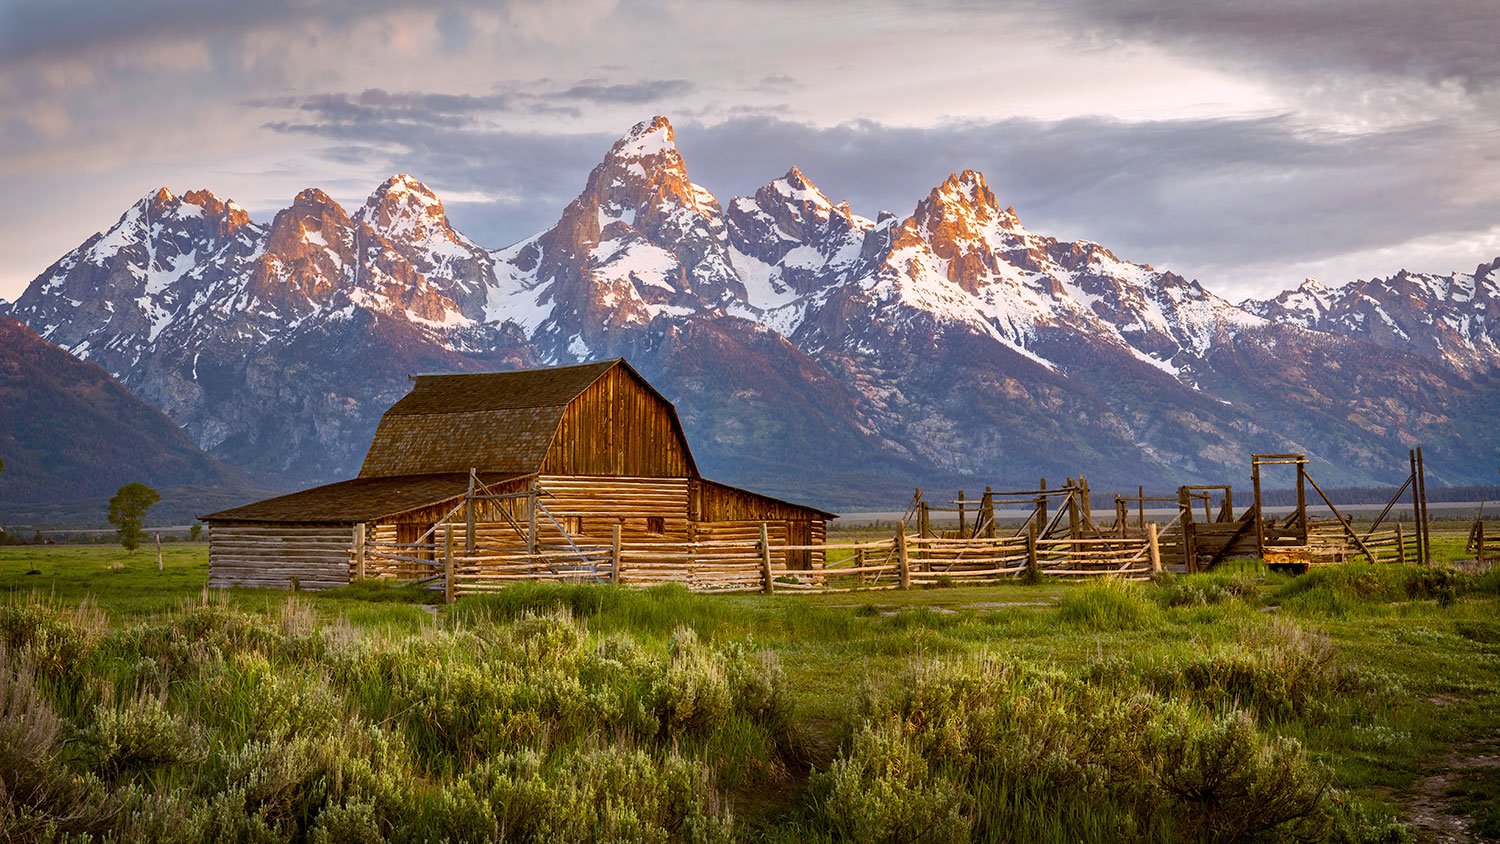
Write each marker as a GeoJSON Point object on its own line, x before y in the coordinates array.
{"type": "Point", "coordinates": [270, 555]}
{"type": "Point", "coordinates": [618, 427]}
{"type": "Point", "coordinates": [639, 505]}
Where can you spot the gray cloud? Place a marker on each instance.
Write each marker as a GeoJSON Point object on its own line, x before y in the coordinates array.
{"type": "Point", "coordinates": [1433, 40]}
{"type": "Point", "coordinates": [1200, 196]}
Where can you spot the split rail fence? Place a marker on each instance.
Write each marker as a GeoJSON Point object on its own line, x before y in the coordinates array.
{"type": "Point", "coordinates": [441, 561]}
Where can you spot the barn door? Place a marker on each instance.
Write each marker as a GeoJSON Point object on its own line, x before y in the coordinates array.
{"type": "Point", "coordinates": [799, 533]}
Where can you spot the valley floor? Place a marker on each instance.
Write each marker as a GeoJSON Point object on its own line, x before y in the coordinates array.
{"type": "Point", "coordinates": [1357, 703]}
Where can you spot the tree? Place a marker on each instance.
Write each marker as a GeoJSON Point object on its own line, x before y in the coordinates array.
{"type": "Point", "coordinates": [194, 532]}
{"type": "Point", "coordinates": [127, 511]}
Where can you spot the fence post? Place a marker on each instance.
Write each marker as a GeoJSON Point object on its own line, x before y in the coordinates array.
{"type": "Point", "coordinates": [924, 521]}
{"type": "Point", "coordinates": [617, 562]}
{"type": "Point", "coordinates": [903, 560]}
{"type": "Point", "coordinates": [1155, 549]}
{"type": "Point", "coordinates": [963, 527]}
{"type": "Point", "coordinates": [448, 591]}
{"type": "Point", "coordinates": [1400, 545]}
{"type": "Point", "coordinates": [987, 513]}
{"type": "Point", "coordinates": [1033, 565]}
{"type": "Point", "coordinates": [1478, 549]}
{"type": "Point", "coordinates": [359, 551]}
{"type": "Point", "coordinates": [159, 565]}
{"type": "Point", "coordinates": [766, 584]}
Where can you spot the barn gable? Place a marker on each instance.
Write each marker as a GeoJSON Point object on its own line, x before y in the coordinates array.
{"type": "Point", "coordinates": [596, 419]}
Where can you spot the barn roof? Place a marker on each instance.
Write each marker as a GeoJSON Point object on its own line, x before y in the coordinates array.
{"type": "Point", "coordinates": [499, 422]}
{"type": "Point", "coordinates": [357, 500]}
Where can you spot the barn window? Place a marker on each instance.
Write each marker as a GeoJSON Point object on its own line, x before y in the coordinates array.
{"type": "Point", "coordinates": [656, 525]}
{"type": "Point", "coordinates": [573, 525]}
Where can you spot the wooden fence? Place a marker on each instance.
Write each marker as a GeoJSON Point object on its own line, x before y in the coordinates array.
{"type": "Point", "coordinates": [900, 562]}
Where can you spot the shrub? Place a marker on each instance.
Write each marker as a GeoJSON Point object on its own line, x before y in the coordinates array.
{"type": "Point", "coordinates": [51, 640]}
{"type": "Point", "coordinates": [1202, 590]}
{"type": "Point", "coordinates": [693, 694]}
{"type": "Point", "coordinates": [136, 736]}
{"type": "Point", "coordinates": [883, 790]}
{"type": "Point", "coordinates": [1277, 670]}
{"type": "Point", "coordinates": [1035, 755]}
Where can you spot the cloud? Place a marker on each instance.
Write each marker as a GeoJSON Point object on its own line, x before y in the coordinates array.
{"type": "Point", "coordinates": [1242, 204]}
{"type": "Point", "coordinates": [1436, 41]}
{"type": "Point", "coordinates": [632, 93]}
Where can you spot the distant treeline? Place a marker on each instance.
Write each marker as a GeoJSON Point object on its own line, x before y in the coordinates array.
{"type": "Point", "coordinates": [1340, 495]}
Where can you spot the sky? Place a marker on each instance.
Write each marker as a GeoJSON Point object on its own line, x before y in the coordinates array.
{"type": "Point", "coordinates": [1248, 145]}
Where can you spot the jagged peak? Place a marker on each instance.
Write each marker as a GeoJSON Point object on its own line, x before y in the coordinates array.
{"type": "Point", "coordinates": [645, 139]}
{"type": "Point", "coordinates": [403, 187]}
{"type": "Point", "coordinates": [315, 199]}
{"type": "Point", "coordinates": [968, 188]}
{"type": "Point", "coordinates": [160, 196]}
{"type": "Point", "coordinates": [797, 187]}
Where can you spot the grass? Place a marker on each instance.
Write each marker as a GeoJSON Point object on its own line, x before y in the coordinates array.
{"type": "Point", "coordinates": [1220, 706]}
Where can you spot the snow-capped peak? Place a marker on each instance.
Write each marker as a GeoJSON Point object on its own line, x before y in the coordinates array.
{"type": "Point", "coordinates": [645, 139]}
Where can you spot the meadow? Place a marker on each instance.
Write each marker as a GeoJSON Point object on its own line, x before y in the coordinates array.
{"type": "Point", "coordinates": [1356, 703]}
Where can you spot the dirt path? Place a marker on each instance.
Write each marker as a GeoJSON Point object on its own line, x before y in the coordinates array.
{"type": "Point", "coordinates": [1428, 802]}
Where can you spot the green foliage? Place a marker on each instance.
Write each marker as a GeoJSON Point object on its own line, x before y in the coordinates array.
{"type": "Point", "coordinates": [195, 532]}
{"type": "Point", "coordinates": [1187, 710]}
{"type": "Point", "coordinates": [127, 512]}
{"type": "Point", "coordinates": [1277, 671]}
{"type": "Point", "coordinates": [1022, 753]}
{"type": "Point", "coordinates": [1109, 606]}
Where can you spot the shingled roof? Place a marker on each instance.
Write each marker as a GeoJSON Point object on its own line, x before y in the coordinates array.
{"type": "Point", "coordinates": [498, 422]}
{"type": "Point", "coordinates": [358, 500]}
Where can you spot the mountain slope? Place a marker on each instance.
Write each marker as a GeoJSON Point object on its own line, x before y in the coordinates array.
{"type": "Point", "coordinates": [1452, 319]}
{"type": "Point", "coordinates": [69, 430]}
{"type": "Point", "coordinates": [812, 351]}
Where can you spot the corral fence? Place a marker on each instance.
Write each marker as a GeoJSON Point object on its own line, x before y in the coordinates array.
{"type": "Point", "coordinates": [441, 561]}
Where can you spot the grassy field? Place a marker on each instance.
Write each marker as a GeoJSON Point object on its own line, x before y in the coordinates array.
{"type": "Point", "coordinates": [1352, 704]}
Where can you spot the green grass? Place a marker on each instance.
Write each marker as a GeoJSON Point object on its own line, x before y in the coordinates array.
{"type": "Point", "coordinates": [1006, 712]}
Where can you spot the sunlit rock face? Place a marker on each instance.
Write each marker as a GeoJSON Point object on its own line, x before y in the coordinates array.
{"type": "Point", "coordinates": [811, 350]}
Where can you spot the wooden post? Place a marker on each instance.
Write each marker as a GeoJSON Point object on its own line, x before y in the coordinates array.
{"type": "Point", "coordinates": [1260, 513]}
{"type": "Point", "coordinates": [531, 519]}
{"type": "Point", "coordinates": [767, 585]}
{"type": "Point", "coordinates": [1426, 523]}
{"type": "Point", "coordinates": [1041, 503]}
{"type": "Point", "coordinates": [1416, 507]}
{"type": "Point", "coordinates": [1208, 506]}
{"type": "Point", "coordinates": [469, 515]}
{"type": "Point", "coordinates": [1400, 545]}
{"type": "Point", "coordinates": [1478, 542]}
{"type": "Point", "coordinates": [159, 566]}
{"type": "Point", "coordinates": [1229, 503]}
{"type": "Point", "coordinates": [1033, 564]}
{"type": "Point", "coordinates": [1302, 497]}
{"type": "Point", "coordinates": [1122, 515]}
{"type": "Point", "coordinates": [1141, 511]}
{"type": "Point", "coordinates": [1085, 502]}
{"type": "Point", "coordinates": [359, 551]}
{"type": "Point", "coordinates": [1073, 525]}
{"type": "Point", "coordinates": [617, 562]}
{"type": "Point", "coordinates": [1155, 549]}
{"type": "Point", "coordinates": [963, 528]}
{"type": "Point", "coordinates": [987, 513]}
{"type": "Point", "coordinates": [1189, 551]}
{"type": "Point", "coordinates": [903, 559]}
{"type": "Point", "coordinates": [448, 586]}
{"type": "Point", "coordinates": [924, 522]}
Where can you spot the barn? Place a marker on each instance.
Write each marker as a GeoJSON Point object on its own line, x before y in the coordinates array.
{"type": "Point", "coordinates": [564, 456]}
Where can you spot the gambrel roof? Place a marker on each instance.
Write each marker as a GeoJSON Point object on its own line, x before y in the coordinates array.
{"type": "Point", "coordinates": [497, 422]}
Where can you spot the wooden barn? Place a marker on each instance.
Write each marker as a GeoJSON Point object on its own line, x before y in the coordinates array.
{"type": "Point", "coordinates": [545, 458]}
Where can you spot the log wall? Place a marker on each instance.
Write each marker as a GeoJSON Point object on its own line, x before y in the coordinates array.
{"type": "Point", "coordinates": [271, 555]}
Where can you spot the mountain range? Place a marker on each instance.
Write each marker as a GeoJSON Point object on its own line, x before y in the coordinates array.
{"type": "Point", "coordinates": [813, 352]}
